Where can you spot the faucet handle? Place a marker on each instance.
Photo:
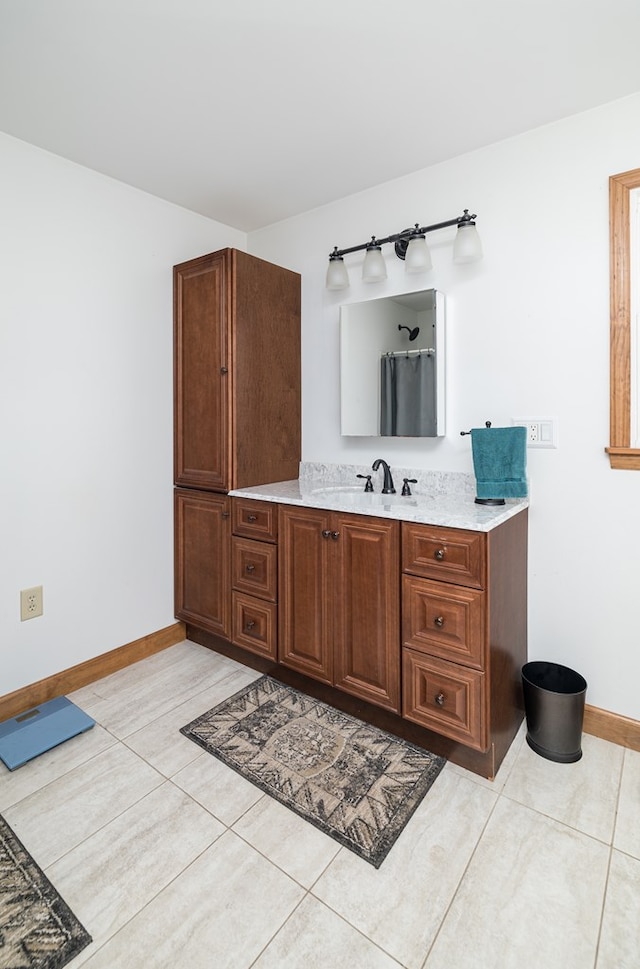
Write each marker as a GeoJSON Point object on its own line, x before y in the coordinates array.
{"type": "Point", "coordinates": [368, 486]}
{"type": "Point", "coordinates": [406, 490]}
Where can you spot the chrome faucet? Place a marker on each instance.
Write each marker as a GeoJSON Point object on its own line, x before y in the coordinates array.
{"type": "Point", "coordinates": [387, 487]}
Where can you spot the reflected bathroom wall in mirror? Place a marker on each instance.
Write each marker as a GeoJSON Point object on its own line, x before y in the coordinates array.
{"type": "Point", "coordinates": [392, 366]}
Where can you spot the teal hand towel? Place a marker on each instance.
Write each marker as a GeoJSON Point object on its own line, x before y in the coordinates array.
{"type": "Point", "coordinates": [499, 461]}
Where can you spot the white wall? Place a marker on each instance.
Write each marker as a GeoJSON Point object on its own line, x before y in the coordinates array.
{"type": "Point", "coordinates": [85, 407]}
{"type": "Point", "coordinates": [528, 335]}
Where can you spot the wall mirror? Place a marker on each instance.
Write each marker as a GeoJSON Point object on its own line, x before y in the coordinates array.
{"type": "Point", "coordinates": [392, 366]}
{"type": "Point", "coordinates": [623, 198]}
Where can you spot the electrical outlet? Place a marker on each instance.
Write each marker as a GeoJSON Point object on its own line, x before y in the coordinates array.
{"type": "Point", "coordinates": [541, 431]}
{"type": "Point", "coordinates": [31, 603]}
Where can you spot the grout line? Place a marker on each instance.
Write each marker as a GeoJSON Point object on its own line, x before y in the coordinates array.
{"type": "Point", "coordinates": [611, 850]}
{"type": "Point", "coordinates": [460, 880]}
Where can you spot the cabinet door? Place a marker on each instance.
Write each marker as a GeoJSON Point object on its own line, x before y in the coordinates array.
{"type": "Point", "coordinates": [366, 615]}
{"type": "Point", "coordinates": [303, 641]}
{"type": "Point", "coordinates": [202, 569]}
{"type": "Point", "coordinates": [201, 376]}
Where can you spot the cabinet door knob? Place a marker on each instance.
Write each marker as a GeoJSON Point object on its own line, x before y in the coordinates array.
{"type": "Point", "coordinates": [439, 621]}
{"type": "Point", "coordinates": [224, 370]}
{"type": "Point", "coordinates": [250, 624]}
{"type": "Point", "coordinates": [439, 554]}
{"type": "Point", "coordinates": [250, 568]}
{"type": "Point", "coordinates": [335, 536]}
{"type": "Point", "coordinates": [326, 533]}
{"type": "Point", "coordinates": [226, 514]}
{"type": "Point", "coordinates": [440, 699]}
{"type": "Point", "coordinates": [252, 518]}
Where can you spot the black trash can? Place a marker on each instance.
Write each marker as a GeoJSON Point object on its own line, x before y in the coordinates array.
{"type": "Point", "coordinates": [554, 707]}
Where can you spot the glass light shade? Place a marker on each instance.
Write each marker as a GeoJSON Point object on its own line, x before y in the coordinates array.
{"type": "Point", "coordinates": [467, 247]}
{"type": "Point", "coordinates": [418, 257]}
{"type": "Point", "coordinates": [374, 267]}
{"type": "Point", "coordinates": [337, 275]}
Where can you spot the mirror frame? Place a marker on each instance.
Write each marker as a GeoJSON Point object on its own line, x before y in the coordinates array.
{"type": "Point", "coordinates": [621, 455]}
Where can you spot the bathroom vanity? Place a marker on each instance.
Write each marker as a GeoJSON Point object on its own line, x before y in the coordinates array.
{"type": "Point", "coordinates": [410, 612]}
{"type": "Point", "coordinates": [406, 611]}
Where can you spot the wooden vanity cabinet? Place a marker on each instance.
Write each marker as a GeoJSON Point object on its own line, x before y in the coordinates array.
{"type": "Point", "coordinates": [236, 422]}
{"type": "Point", "coordinates": [339, 601]}
{"type": "Point", "coordinates": [202, 523]}
{"type": "Point", "coordinates": [464, 632]}
{"type": "Point", "coordinates": [254, 576]}
{"type": "Point", "coordinates": [237, 372]}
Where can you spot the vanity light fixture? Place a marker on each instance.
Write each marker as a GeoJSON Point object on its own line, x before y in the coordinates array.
{"type": "Point", "coordinates": [409, 245]}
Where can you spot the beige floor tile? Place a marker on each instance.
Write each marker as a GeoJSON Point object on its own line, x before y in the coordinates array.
{"type": "Point", "coordinates": [181, 655]}
{"type": "Point", "coordinates": [130, 699]}
{"type": "Point", "coordinates": [400, 905]}
{"type": "Point", "coordinates": [316, 938]}
{"type": "Point", "coordinates": [524, 902]}
{"type": "Point", "coordinates": [61, 815]}
{"type": "Point", "coordinates": [217, 788]}
{"type": "Point", "coordinates": [20, 783]}
{"type": "Point", "coordinates": [112, 875]}
{"type": "Point", "coordinates": [218, 914]}
{"type": "Point", "coordinates": [287, 840]}
{"type": "Point", "coordinates": [583, 795]}
{"type": "Point", "coordinates": [620, 937]}
{"type": "Point", "coordinates": [497, 784]}
{"type": "Point", "coordinates": [627, 832]}
{"type": "Point", "coordinates": [161, 743]}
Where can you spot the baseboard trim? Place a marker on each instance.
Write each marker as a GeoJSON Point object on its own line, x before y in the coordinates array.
{"type": "Point", "coordinates": [93, 669]}
{"type": "Point", "coordinates": [611, 726]}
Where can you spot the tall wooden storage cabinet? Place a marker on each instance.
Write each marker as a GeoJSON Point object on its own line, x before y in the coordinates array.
{"type": "Point", "coordinates": [236, 410]}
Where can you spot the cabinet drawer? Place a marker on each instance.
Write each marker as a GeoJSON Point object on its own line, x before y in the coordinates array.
{"type": "Point", "coordinates": [255, 519]}
{"type": "Point", "coordinates": [255, 624]}
{"type": "Point", "coordinates": [446, 698]}
{"type": "Point", "coordinates": [443, 620]}
{"type": "Point", "coordinates": [254, 568]}
{"type": "Point", "coordinates": [444, 554]}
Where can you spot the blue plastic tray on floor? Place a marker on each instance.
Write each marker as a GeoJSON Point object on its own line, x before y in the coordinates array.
{"type": "Point", "coordinates": [33, 732]}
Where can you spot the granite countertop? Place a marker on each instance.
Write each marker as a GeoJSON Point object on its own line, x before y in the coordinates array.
{"type": "Point", "coordinates": [438, 498]}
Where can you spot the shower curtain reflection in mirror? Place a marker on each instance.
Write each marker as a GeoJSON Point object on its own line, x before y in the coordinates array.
{"type": "Point", "coordinates": [408, 395]}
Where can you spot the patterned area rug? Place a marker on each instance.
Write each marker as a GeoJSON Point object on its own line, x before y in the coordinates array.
{"type": "Point", "coordinates": [355, 782]}
{"type": "Point", "coordinates": [37, 928]}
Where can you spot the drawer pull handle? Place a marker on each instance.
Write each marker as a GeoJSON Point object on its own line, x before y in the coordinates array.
{"type": "Point", "coordinates": [439, 555]}
{"type": "Point", "coordinates": [252, 518]}
{"type": "Point", "coordinates": [326, 533]}
{"type": "Point", "coordinates": [440, 698]}
{"type": "Point", "coordinates": [250, 624]}
{"type": "Point", "coordinates": [439, 622]}
{"type": "Point", "coordinates": [250, 568]}
{"type": "Point", "coordinates": [335, 536]}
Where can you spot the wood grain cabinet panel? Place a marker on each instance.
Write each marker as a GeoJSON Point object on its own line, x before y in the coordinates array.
{"type": "Point", "coordinates": [367, 609]}
{"type": "Point", "coordinates": [445, 620]}
{"type": "Point", "coordinates": [202, 574]}
{"type": "Point", "coordinates": [254, 568]}
{"type": "Point", "coordinates": [255, 519]}
{"type": "Point", "coordinates": [446, 698]}
{"type": "Point", "coordinates": [237, 371]}
{"type": "Point", "coordinates": [445, 554]}
{"type": "Point", "coordinates": [305, 601]}
{"type": "Point", "coordinates": [339, 609]}
{"type": "Point", "coordinates": [255, 624]}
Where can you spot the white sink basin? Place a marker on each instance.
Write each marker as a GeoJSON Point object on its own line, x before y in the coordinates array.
{"type": "Point", "coordinates": [357, 498]}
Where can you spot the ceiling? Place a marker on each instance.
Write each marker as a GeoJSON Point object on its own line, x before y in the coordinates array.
{"type": "Point", "coordinates": [252, 111]}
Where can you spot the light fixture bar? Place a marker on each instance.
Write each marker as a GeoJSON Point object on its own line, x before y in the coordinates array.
{"type": "Point", "coordinates": [405, 236]}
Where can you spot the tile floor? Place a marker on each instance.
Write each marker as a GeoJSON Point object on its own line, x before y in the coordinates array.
{"type": "Point", "coordinates": [170, 859]}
